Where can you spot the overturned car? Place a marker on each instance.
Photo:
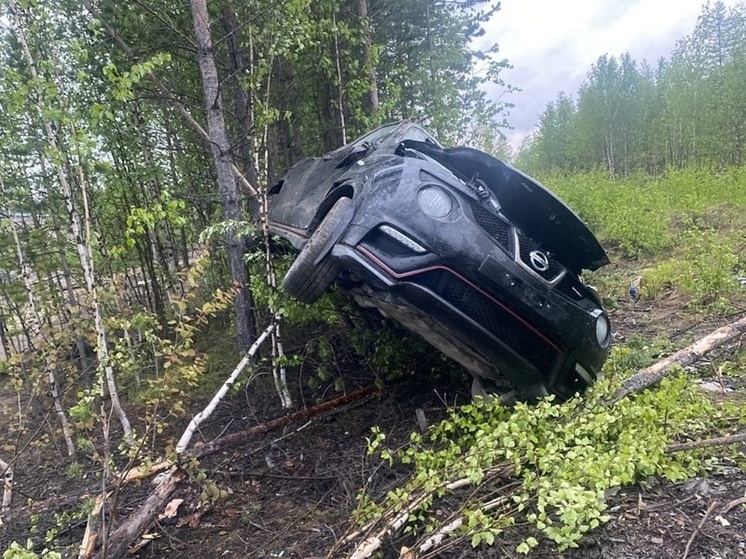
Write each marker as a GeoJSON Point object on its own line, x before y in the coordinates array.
{"type": "Point", "coordinates": [471, 254]}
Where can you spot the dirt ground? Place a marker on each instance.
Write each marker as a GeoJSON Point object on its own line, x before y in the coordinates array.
{"type": "Point", "coordinates": [289, 493]}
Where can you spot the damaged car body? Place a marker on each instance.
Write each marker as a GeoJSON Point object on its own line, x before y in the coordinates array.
{"type": "Point", "coordinates": [468, 252]}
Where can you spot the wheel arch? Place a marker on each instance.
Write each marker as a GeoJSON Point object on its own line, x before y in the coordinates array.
{"type": "Point", "coordinates": [345, 190]}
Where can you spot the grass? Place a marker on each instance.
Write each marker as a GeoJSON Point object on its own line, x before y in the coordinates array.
{"type": "Point", "coordinates": [685, 231]}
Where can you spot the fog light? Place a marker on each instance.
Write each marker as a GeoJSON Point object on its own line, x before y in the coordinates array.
{"type": "Point", "coordinates": [403, 239]}
{"type": "Point", "coordinates": [602, 330]}
{"type": "Point", "coordinates": [434, 201]}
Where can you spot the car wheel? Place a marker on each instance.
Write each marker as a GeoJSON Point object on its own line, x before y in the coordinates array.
{"type": "Point", "coordinates": [304, 280]}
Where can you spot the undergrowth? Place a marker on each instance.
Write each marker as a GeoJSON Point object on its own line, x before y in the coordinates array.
{"type": "Point", "coordinates": [547, 467]}
{"type": "Point", "coordinates": [683, 233]}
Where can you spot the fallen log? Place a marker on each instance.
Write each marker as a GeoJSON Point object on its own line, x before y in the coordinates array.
{"type": "Point", "coordinates": [662, 369]}
{"type": "Point", "coordinates": [717, 441]}
{"type": "Point", "coordinates": [121, 537]}
{"type": "Point", "coordinates": [197, 420]}
{"type": "Point", "coordinates": [228, 440]}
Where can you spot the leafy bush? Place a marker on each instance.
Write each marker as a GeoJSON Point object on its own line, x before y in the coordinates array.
{"type": "Point", "coordinates": [551, 465]}
{"type": "Point", "coordinates": [637, 213]}
{"type": "Point", "coordinates": [17, 551]}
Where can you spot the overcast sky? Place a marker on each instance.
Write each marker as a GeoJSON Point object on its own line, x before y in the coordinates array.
{"type": "Point", "coordinates": [552, 44]}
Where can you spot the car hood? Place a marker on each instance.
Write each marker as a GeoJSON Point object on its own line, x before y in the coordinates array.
{"type": "Point", "coordinates": [527, 203]}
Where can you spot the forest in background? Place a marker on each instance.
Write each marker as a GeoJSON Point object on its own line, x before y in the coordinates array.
{"type": "Point", "coordinates": [646, 116]}
{"type": "Point", "coordinates": [132, 235]}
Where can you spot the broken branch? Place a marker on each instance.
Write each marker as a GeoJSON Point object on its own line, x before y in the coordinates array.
{"type": "Point", "coordinates": [699, 527]}
{"type": "Point", "coordinates": [222, 442]}
{"type": "Point", "coordinates": [143, 515]}
{"type": "Point", "coordinates": [220, 394]}
{"type": "Point", "coordinates": [660, 370]}
{"type": "Point", "coordinates": [717, 441]}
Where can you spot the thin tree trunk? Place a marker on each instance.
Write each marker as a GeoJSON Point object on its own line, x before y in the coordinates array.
{"type": "Point", "coordinates": [86, 259]}
{"type": "Point", "coordinates": [242, 104]}
{"type": "Point", "coordinates": [7, 476]}
{"type": "Point", "coordinates": [371, 102]}
{"type": "Point", "coordinates": [35, 320]}
{"type": "Point", "coordinates": [81, 240]}
{"type": "Point", "coordinates": [340, 85]}
{"type": "Point", "coordinates": [4, 336]}
{"type": "Point", "coordinates": [82, 352]}
{"type": "Point", "coordinates": [221, 151]}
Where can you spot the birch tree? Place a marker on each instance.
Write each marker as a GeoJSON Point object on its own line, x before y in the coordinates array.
{"type": "Point", "coordinates": [80, 230]}
{"type": "Point", "coordinates": [35, 326]}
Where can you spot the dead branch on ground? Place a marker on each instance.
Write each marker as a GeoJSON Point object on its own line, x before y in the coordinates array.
{"type": "Point", "coordinates": [186, 437]}
{"type": "Point", "coordinates": [662, 369]}
{"type": "Point", "coordinates": [141, 518]}
{"type": "Point", "coordinates": [717, 441]}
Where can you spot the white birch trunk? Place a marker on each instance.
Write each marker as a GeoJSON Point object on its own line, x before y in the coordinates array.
{"type": "Point", "coordinates": [7, 473]}
{"type": "Point", "coordinates": [35, 326]}
{"type": "Point", "coordinates": [340, 86]}
{"type": "Point", "coordinates": [279, 373]}
{"type": "Point", "coordinates": [82, 242]}
{"type": "Point", "coordinates": [186, 437]}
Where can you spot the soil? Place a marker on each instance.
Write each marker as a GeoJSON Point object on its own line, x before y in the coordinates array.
{"type": "Point", "coordinates": [289, 493]}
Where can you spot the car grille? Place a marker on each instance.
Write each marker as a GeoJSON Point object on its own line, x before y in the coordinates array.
{"type": "Point", "coordinates": [491, 316]}
{"type": "Point", "coordinates": [526, 247]}
{"type": "Point", "coordinates": [571, 288]}
{"type": "Point", "coordinates": [493, 226]}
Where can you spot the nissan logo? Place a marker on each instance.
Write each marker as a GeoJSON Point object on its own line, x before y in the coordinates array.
{"type": "Point", "coordinates": [539, 260]}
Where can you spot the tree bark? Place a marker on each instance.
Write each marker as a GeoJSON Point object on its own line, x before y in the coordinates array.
{"type": "Point", "coordinates": [7, 477]}
{"type": "Point", "coordinates": [371, 102]}
{"type": "Point", "coordinates": [221, 152]}
{"type": "Point", "coordinates": [242, 104]}
{"type": "Point", "coordinates": [120, 539]}
{"type": "Point", "coordinates": [660, 370]}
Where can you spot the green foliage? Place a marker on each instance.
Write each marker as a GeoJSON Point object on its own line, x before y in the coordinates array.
{"type": "Point", "coordinates": [124, 82]}
{"type": "Point", "coordinates": [553, 464]}
{"type": "Point", "coordinates": [629, 117]}
{"type": "Point", "coordinates": [703, 266]}
{"type": "Point", "coordinates": [643, 215]}
{"type": "Point", "coordinates": [17, 551]}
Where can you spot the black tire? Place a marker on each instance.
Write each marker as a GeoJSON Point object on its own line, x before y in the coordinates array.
{"type": "Point", "coordinates": [304, 280]}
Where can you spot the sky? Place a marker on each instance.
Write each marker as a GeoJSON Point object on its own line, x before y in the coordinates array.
{"type": "Point", "coordinates": [551, 44]}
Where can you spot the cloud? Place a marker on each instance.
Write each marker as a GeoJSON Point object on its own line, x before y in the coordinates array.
{"type": "Point", "coordinates": [552, 43]}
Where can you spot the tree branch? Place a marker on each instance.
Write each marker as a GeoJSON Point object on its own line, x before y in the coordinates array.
{"type": "Point", "coordinates": [662, 369]}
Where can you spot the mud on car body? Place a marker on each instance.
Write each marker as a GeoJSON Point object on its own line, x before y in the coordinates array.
{"type": "Point", "coordinates": [468, 252]}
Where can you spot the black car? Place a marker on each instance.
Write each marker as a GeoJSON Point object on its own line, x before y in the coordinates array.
{"type": "Point", "coordinates": [473, 255]}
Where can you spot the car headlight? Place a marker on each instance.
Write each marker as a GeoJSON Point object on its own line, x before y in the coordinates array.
{"type": "Point", "coordinates": [434, 201]}
{"type": "Point", "coordinates": [602, 329]}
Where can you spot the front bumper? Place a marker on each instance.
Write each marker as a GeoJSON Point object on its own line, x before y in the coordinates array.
{"type": "Point", "coordinates": [531, 330]}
